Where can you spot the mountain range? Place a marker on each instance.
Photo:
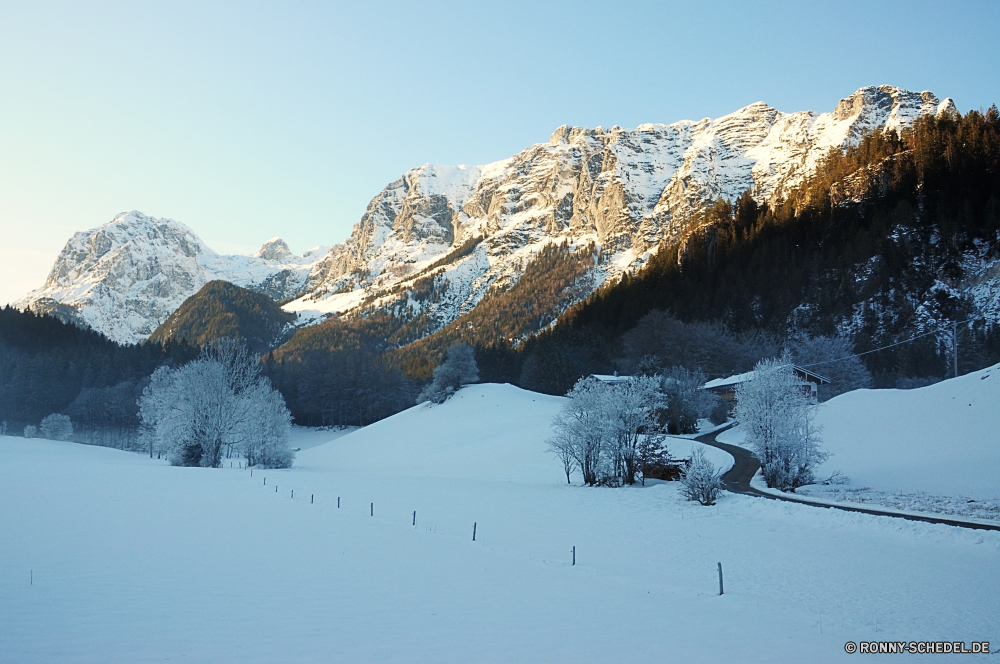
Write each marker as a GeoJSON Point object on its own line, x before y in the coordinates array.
{"type": "Point", "coordinates": [441, 240]}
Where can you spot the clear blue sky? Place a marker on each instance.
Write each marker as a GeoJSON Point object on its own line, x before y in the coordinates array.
{"type": "Point", "coordinates": [251, 120]}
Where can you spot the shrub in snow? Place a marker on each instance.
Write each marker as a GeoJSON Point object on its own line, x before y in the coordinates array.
{"type": "Point", "coordinates": [265, 433]}
{"type": "Point", "coordinates": [776, 412]}
{"type": "Point", "coordinates": [56, 427]}
{"type": "Point", "coordinates": [215, 404]}
{"type": "Point", "coordinates": [30, 431]}
{"type": "Point", "coordinates": [607, 429]}
{"type": "Point", "coordinates": [700, 481]}
{"type": "Point", "coordinates": [458, 369]}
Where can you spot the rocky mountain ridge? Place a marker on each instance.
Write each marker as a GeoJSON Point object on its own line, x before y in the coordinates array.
{"type": "Point", "coordinates": [439, 239]}
{"type": "Point", "coordinates": [127, 276]}
{"type": "Point", "coordinates": [622, 191]}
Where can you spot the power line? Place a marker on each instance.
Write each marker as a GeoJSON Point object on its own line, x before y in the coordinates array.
{"type": "Point", "coordinates": [898, 343]}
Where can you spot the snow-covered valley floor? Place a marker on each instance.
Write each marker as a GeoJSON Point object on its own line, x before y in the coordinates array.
{"type": "Point", "coordinates": [132, 560]}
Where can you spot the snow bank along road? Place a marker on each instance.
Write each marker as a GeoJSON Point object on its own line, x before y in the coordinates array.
{"type": "Point", "coordinates": [107, 556]}
{"type": "Point", "coordinates": [746, 465]}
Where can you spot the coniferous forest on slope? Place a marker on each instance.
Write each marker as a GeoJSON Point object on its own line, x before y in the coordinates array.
{"type": "Point", "coordinates": [872, 247]}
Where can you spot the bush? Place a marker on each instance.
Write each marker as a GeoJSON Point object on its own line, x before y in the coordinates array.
{"type": "Point", "coordinates": [719, 413]}
{"type": "Point", "coordinates": [56, 427]}
{"type": "Point", "coordinates": [700, 481]}
{"type": "Point", "coordinates": [30, 431]}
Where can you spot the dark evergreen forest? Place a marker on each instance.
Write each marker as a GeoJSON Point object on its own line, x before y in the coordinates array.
{"type": "Point", "coordinates": [47, 366]}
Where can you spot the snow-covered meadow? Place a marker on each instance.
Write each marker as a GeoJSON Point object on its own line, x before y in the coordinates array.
{"type": "Point", "coordinates": [110, 556]}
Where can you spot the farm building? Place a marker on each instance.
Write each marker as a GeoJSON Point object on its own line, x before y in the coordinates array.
{"type": "Point", "coordinates": [726, 387]}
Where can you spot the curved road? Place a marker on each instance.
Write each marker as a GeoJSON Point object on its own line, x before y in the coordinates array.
{"type": "Point", "coordinates": [746, 465]}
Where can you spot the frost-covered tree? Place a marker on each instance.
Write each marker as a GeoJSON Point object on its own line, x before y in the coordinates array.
{"type": "Point", "coordinates": [606, 429]}
{"type": "Point", "coordinates": [214, 404]}
{"type": "Point", "coordinates": [700, 480]}
{"type": "Point", "coordinates": [458, 369]}
{"type": "Point", "coordinates": [774, 409]}
{"type": "Point", "coordinates": [56, 427]}
{"type": "Point", "coordinates": [3, 428]}
{"type": "Point", "coordinates": [578, 432]}
{"type": "Point", "coordinates": [264, 434]}
{"type": "Point", "coordinates": [30, 431]}
{"type": "Point", "coordinates": [686, 401]}
{"type": "Point", "coordinates": [629, 417]}
{"type": "Point", "coordinates": [832, 357]}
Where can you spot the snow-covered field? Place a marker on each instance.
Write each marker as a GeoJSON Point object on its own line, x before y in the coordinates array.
{"type": "Point", "coordinates": [135, 561]}
{"type": "Point", "coordinates": [932, 449]}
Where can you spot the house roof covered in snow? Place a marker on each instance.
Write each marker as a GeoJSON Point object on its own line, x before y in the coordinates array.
{"type": "Point", "coordinates": [732, 381]}
{"type": "Point", "coordinates": [605, 378]}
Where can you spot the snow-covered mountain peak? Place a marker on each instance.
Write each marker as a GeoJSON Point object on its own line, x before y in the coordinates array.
{"type": "Point", "coordinates": [460, 232]}
{"type": "Point", "coordinates": [274, 249]}
{"type": "Point", "coordinates": [94, 252]}
{"type": "Point", "coordinates": [624, 190]}
{"type": "Point", "coordinates": [125, 277]}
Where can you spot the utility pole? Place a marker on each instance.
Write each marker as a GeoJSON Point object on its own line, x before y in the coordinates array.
{"type": "Point", "coordinates": [954, 343]}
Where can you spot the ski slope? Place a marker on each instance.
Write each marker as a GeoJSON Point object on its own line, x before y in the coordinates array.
{"type": "Point", "coordinates": [132, 560]}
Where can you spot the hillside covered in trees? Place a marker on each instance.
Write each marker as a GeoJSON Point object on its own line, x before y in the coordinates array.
{"type": "Point", "coordinates": [885, 242]}
{"type": "Point", "coordinates": [224, 310]}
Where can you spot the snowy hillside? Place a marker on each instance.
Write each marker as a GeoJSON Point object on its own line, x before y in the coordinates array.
{"type": "Point", "coordinates": [944, 438]}
{"type": "Point", "coordinates": [622, 190]}
{"type": "Point", "coordinates": [935, 448]}
{"type": "Point", "coordinates": [126, 277]}
{"type": "Point", "coordinates": [111, 556]}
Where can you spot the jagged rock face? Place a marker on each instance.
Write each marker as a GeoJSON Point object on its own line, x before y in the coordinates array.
{"type": "Point", "coordinates": [460, 231]}
{"type": "Point", "coordinates": [625, 190]}
{"type": "Point", "coordinates": [127, 276]}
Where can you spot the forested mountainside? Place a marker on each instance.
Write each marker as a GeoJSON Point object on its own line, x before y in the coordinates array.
{"type": "Point", "coordinates": [224, 310]}
{"type": "Point", "coordinates": [441, 241]}
{"type": "Point", "coordinates": [890, 239]}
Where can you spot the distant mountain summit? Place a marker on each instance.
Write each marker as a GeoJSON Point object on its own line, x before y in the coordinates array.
{"type": "Point", "coordinates": [274, 249]}
{"type": "Point", "coordinates": [126, 277]}
{"type": "Point", "coordinates": [441, 240]}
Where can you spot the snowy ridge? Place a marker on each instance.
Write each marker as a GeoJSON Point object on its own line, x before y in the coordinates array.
{"type": "Point", "coordinates": [470, 230]}
{"type": "Point", "coordinates": [622, 190]}
{"type": "Point", "coordinates": [127, 276]}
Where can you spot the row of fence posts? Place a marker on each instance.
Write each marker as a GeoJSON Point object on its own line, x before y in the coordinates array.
{"type": "Point", "coordinates": [371, 512]}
